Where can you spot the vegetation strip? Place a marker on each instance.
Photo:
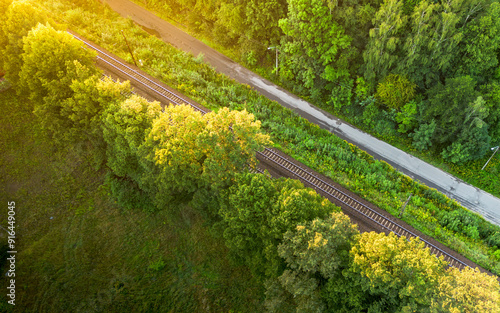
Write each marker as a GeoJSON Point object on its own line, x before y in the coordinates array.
{"type": "Point", "coordinates": [428, 211]}
{"type": "Point", "coordinates": [269, 155]}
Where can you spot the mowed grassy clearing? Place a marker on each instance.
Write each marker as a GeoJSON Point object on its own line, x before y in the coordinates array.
{"type": "Point", "coordinates": [78, 252]}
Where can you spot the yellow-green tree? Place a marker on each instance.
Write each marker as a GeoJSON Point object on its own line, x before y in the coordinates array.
{"type": "Point", "coordinates": [387, 274]}
{"type": "Point", "coordinates": [466, 291]}
{"type": "Point", "coordinates": [229, 141]}
{"type": "Point", "coordinates": [19, 18]}
{"type": "Point", "coordinates": [313, 251]}
{"type": "Point", "coordinates": [257, 211]}
{"type": "Point", "coordinates": [193, 151]}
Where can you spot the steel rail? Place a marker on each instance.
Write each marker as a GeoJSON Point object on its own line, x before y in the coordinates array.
{"type": "Point", "coordinates": [278, 160]}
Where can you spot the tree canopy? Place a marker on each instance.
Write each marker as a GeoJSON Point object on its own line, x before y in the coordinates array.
{"type": "Point", "coordinates": [51, 61]}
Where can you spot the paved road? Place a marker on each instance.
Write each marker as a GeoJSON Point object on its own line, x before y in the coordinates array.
{"type": "Point", "coordinates": [471, 197]}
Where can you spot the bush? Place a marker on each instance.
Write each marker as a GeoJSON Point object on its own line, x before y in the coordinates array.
{"type": "Point", "coordinates": [422, 137]}
{"type": "Point", "coordinates": [395, 90]}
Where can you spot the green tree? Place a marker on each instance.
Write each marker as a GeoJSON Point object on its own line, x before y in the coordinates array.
{"type": "Point", "coordinates": [50, 62]}
{"type": "Point", "coordinates": [4, 5]}
{"type": "Point", "coordinates": [426, 44]}
{"type": "Point", "coordinates": [380, 54]}
{"type": "Point", "coordinates": [172, 158]}
{"type": "Point", "coordinates": [316, 46]}
{"type": "Point", "coordinates": [315, 251]}
{"type": "Point", "coordinates": [472, 144]}
{"type": "Point", "coordinates": [262, 18]}
{"type": "Point", "coordinates": [355, 16]}
{"type": "Point", "coordinates": [448, 104]}
{"type": "Point", "coordinates": [422, 138]}
{"type": "Point", "coordinates": [407, 118]}
{"type": "Point", "coordinates": [125, 126]}
{"type": "Point", "coordinates": [478, 52]}
{"type": "Point", "coordinates": [257, 211]}
{"type": "Point", "coordinates": [91, 97]}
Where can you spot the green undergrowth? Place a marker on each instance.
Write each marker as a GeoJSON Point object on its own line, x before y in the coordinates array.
{"type": "Point", "coordinates": [429, 211]}
{"type": "Point", "coordinates": [78, 252]}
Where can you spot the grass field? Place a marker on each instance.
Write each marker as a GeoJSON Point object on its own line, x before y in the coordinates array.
{"type": "Point", "coordinates": [78, 252]}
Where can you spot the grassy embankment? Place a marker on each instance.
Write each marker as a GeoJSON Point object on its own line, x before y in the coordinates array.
{"type": "Point", "coordinates": [488, 179]}
{"type": "Point", "coordinates": [429, 211]}
{"type": "Point", "coordinates": [78, 252]}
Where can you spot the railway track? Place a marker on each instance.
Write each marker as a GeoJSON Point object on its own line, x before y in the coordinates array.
{"type": "Point", "coordinates": [320, 185]}
{"type": "Point", "coordinates": [140, 78]}
{"type": "Point", "coordinates": [306, 176]}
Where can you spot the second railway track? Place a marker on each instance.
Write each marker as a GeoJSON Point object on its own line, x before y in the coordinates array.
{"type": "Point", "coordinates": [307, 176]}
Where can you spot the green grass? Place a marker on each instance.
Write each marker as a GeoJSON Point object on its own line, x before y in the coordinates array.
{"type": "Point", "coordinates": [78, 252]}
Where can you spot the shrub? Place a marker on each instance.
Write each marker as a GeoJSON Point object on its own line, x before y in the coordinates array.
{"type": "Point", "coordinates": [395, 90]}
{"type": "Point", "coordinates": [422, 137]}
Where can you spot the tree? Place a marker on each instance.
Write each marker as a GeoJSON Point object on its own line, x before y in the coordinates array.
{"type": "Point", "coordinates": [472, 144]}
{"type": "Point", "coordinates": [320, 246]}
{"type": "Point", "coordinates": [393, 275]}
{"type": "Point", "coordinates": [298, 288]}
{"type": "Point", "coordinates": [193, 152]}
{"type": "Point", "coordinates": [50, 62]}
{"type": "Point", "coordinates": [491, 94]}
{"type": "Point", "coordinates": [478, 52]}
{"type": "Point", "coordinates": [4, 5]}
{"type": "Point", "coordinates": [426, 43]}
{"type": "Point", "coordinates": [173, 160]}
{"type": "Point", "coordinates": [407, 118]}
{"type": "Point", "coordinates": [257, 211]}
{"type": "Point", "coordinates": [20, 18]}
{"type": "Point", "coordinates": [422, 138]}
{"type": "Point", "coordinates": [125, 126]}
{"type": "Point", "coordinates": [229, 142]}
{"type": "Point", "coordinates": [355, 16]}
{"type": "Point", "coordinates": [447, 104]}
{"type": "Point", "coordinates": [466, 291]}
{"type": "Point", "coordinates": [315, 251]}
{"type": "Point", "coordinates": [316, 46]}
{"type": "Point", "coordinates": [262, 18]}
{"type": "Point", "coordinates": [92, 96]}
{"type": "Point", "coordinates": [380, 55]}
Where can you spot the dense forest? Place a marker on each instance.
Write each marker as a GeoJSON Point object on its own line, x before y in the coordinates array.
{"type": "Point", "coordinates": [299, 245]}
{"type": "Point", "coordinates": [423, 69]}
